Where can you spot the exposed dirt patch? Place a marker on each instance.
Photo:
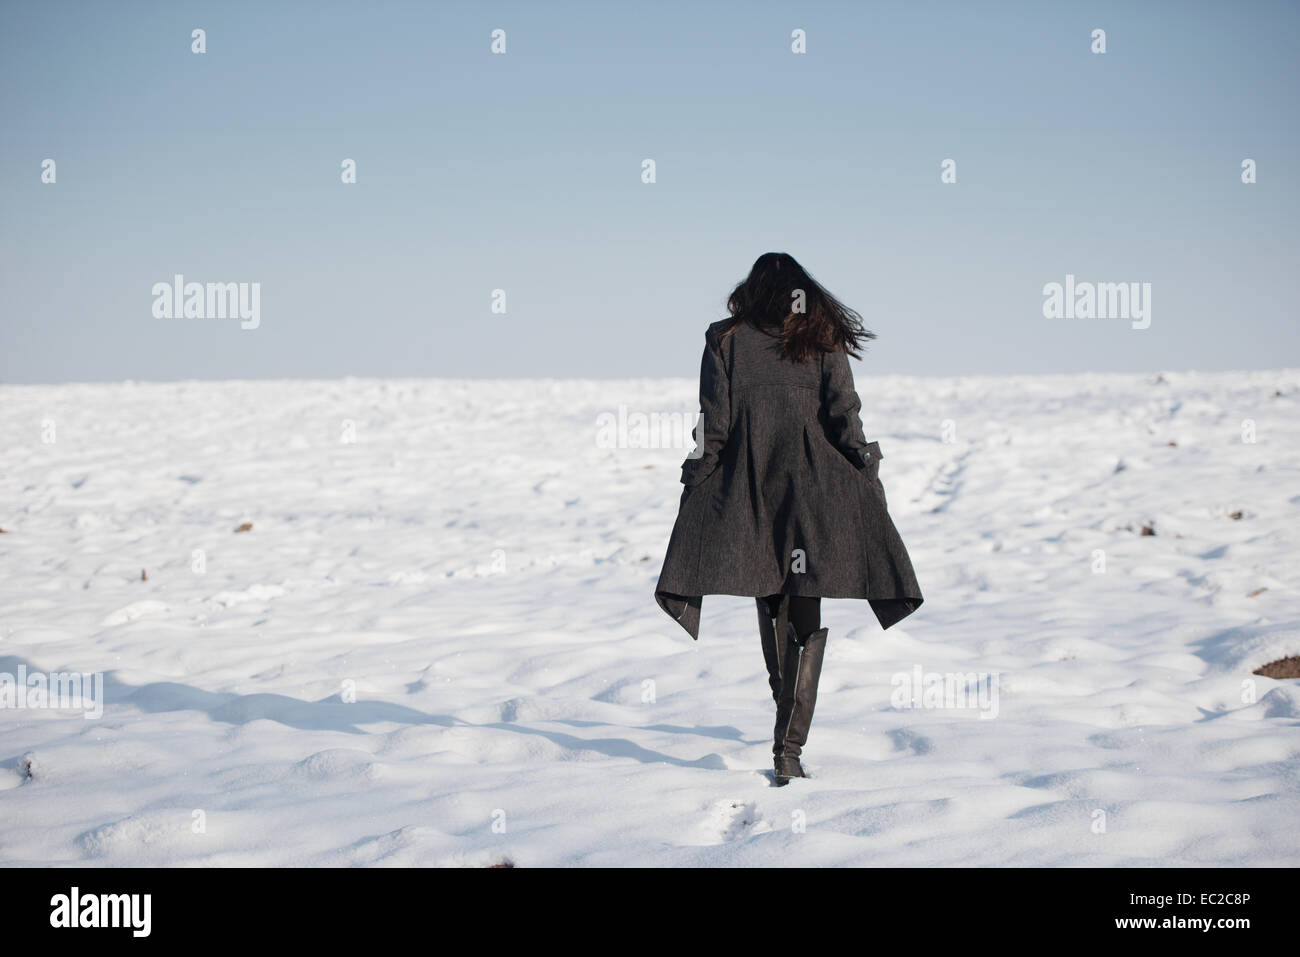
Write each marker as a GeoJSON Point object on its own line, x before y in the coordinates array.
{"type": "Point", "coordinates": [1288, 667]}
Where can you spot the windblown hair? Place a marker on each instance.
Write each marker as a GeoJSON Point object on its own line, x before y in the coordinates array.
{"type": "Point", "coordinates": [780, 298]}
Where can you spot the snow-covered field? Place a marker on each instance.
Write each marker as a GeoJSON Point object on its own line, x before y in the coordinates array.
{"type": "Point", "coordinates": [476, 571]}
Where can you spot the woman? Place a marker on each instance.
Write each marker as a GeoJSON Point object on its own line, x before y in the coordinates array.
{"type": "Point", "coordinates": [783, 500]}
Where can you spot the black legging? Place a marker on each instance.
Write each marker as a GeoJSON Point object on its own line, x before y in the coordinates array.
{"type": "Point", "coordinates": [805, 613]}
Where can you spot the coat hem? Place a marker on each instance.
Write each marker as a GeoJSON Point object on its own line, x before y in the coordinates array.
{"type": "Point", "coordinates": [888, 609]}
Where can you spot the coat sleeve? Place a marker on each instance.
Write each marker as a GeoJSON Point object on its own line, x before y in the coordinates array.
{"type": "Point", "coordinates": [710, 433]}
{"type": "Point", "coordinates": [841, 402]}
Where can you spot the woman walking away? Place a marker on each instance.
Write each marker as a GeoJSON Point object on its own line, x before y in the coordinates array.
{"type": "Point", "coordinates": [783, 500]}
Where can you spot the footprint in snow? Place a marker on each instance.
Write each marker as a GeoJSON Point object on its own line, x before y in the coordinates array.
{"type": "Point", "coordinates": [729, 820]}
{"type": "Point", "coordinates": [905, 739]}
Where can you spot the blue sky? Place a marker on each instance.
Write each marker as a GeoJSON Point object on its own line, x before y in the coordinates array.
{"type": "Point", "coordinates": [522, 172]}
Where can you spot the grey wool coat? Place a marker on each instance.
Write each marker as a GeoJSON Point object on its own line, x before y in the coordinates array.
{"type": "Point", "coordinates": [783, 492]}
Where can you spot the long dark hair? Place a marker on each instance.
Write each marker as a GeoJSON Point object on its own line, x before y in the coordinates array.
{"type": "Point", "coordinates": [780, 298]}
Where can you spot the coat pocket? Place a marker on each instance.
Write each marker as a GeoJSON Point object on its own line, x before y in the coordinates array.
{"type": "Point", "coordinates": [871, 457]}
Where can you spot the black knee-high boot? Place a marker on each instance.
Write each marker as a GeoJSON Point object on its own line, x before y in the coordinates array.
{"type": "Point", "coordinates": [801, 671]}
{"type": "Point", "coordinates": [794, 665]}
{"type": "Point", "coordinates": [773, 649]}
